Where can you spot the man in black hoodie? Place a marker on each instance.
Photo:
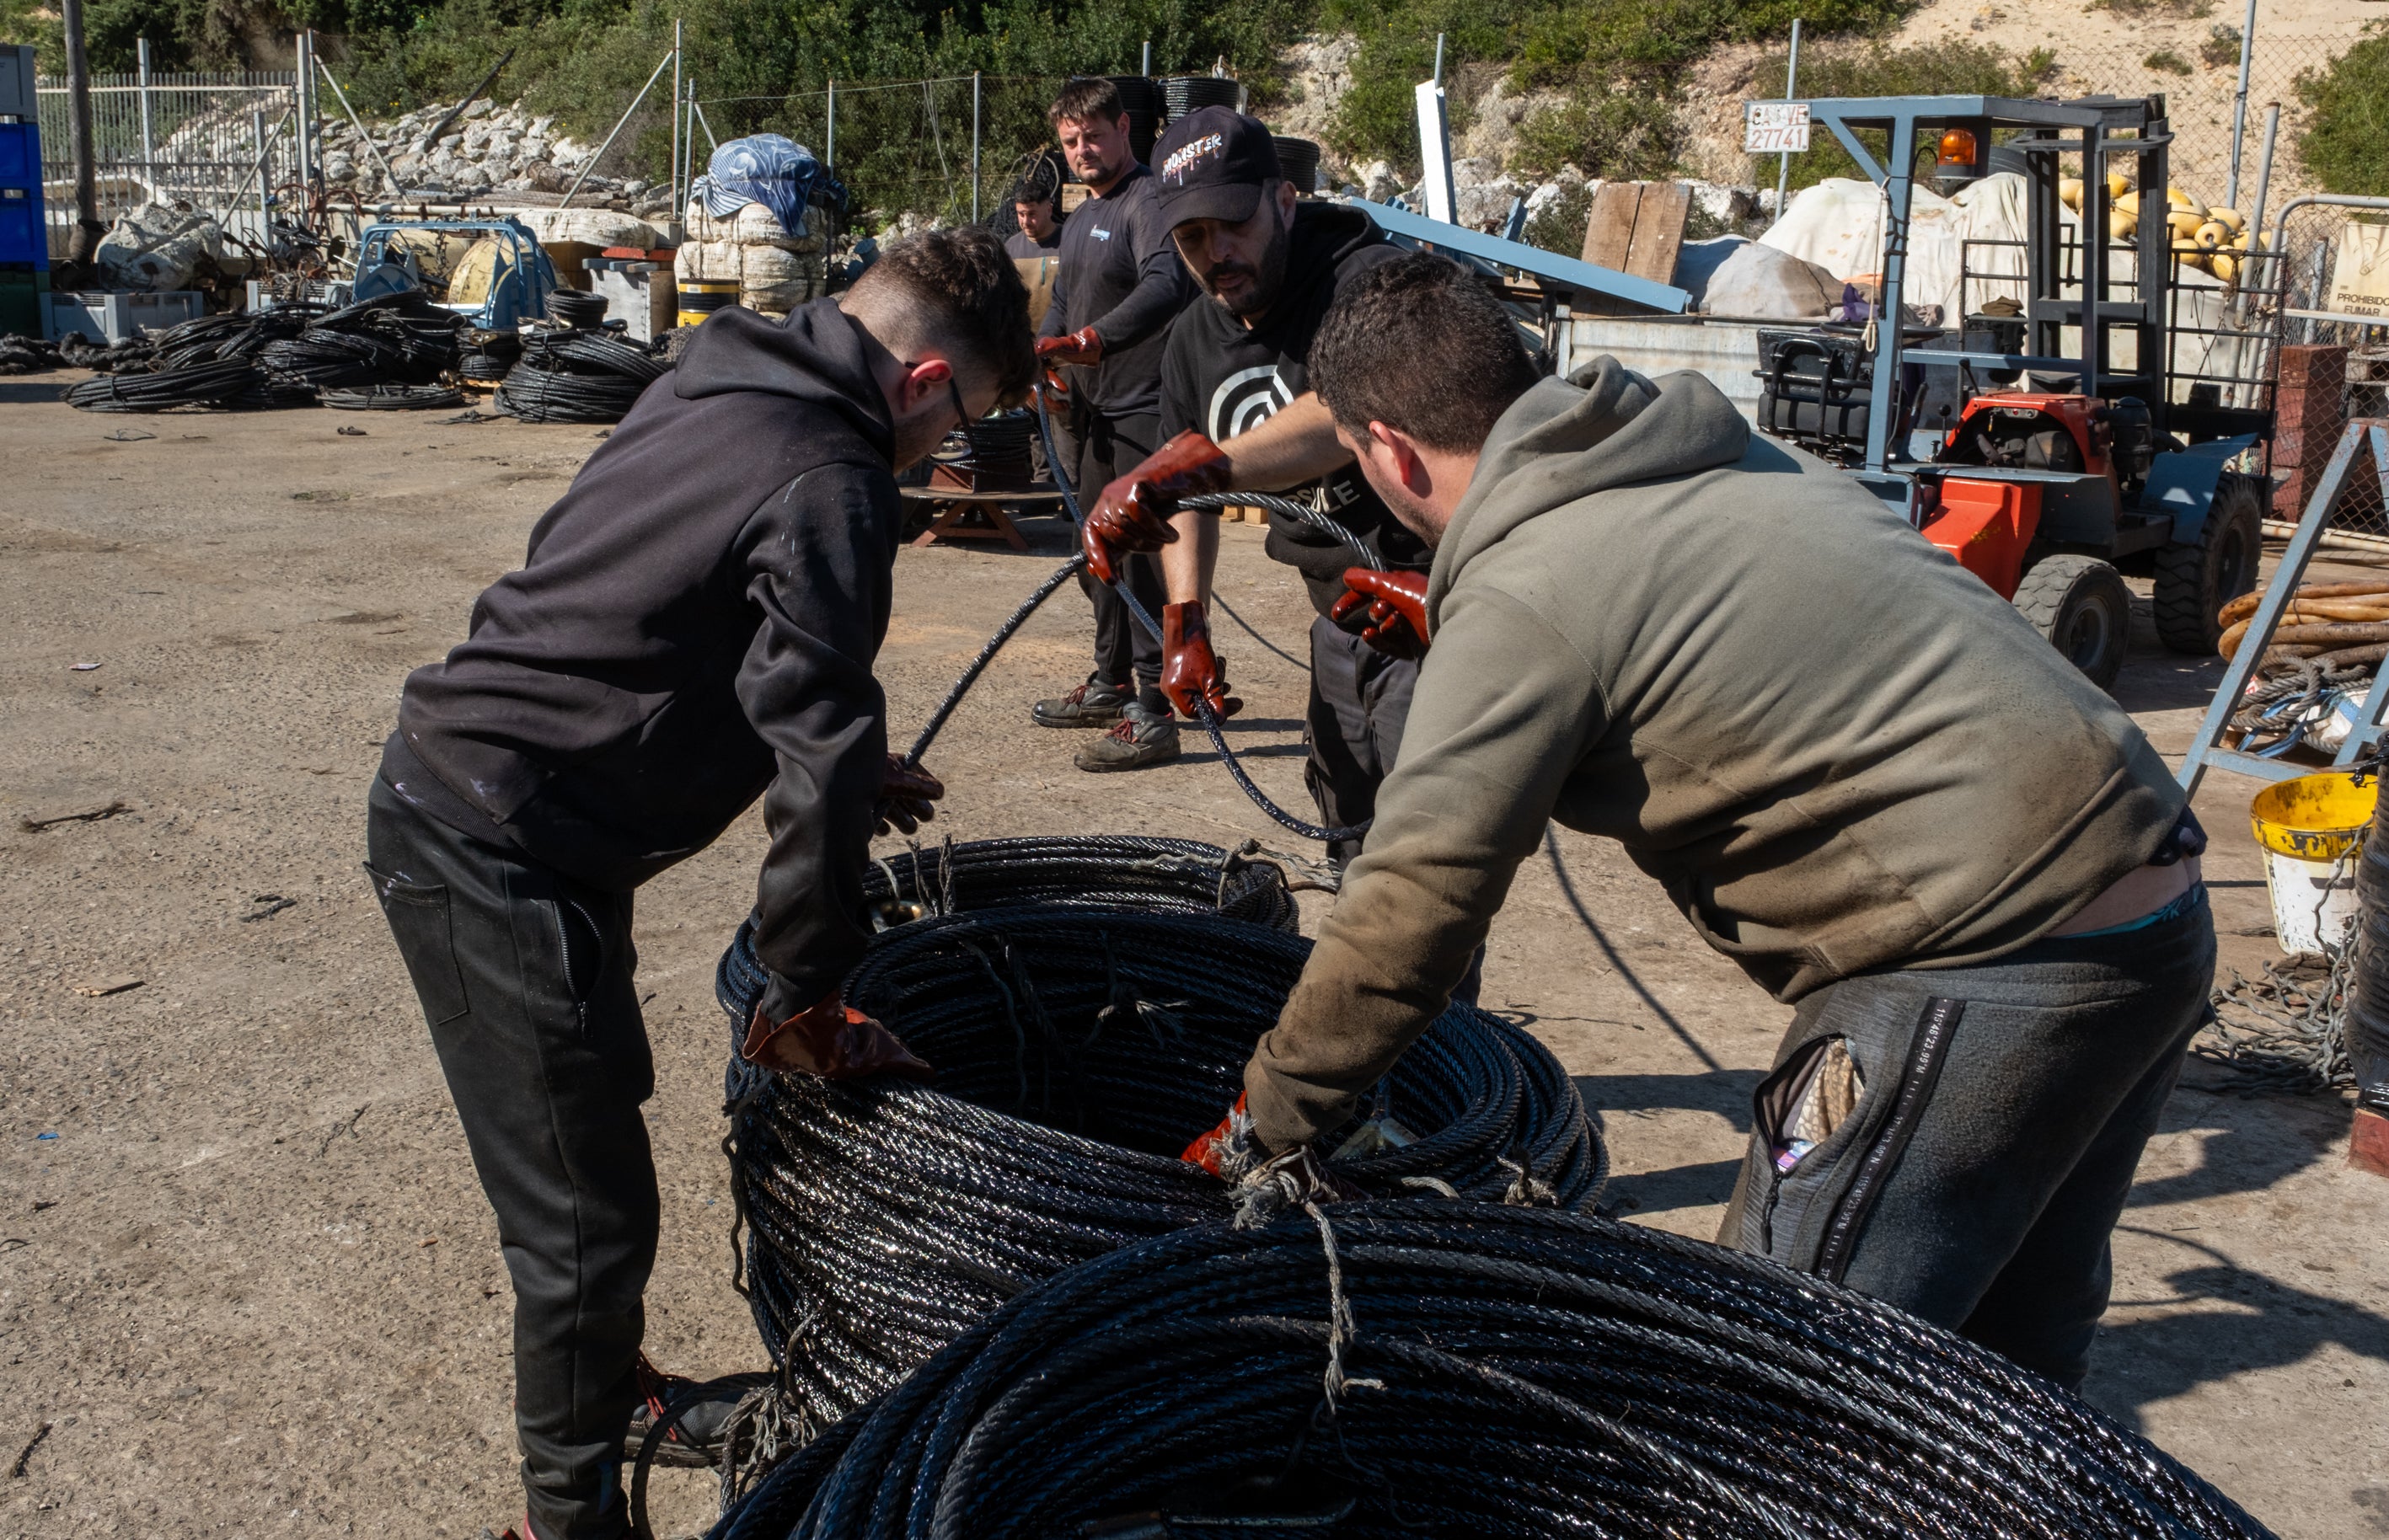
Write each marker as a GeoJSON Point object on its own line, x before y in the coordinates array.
{"type": "Point", "coordinates": [694, 626]}
{"type": "Point", "coordinates": [1237, 400]}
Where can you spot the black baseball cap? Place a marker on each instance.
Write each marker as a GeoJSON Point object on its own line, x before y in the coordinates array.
{"type": "Point", "coordinates": [1210, 164]}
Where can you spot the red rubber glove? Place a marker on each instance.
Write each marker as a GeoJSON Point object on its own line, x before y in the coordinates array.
{"type": "Point", "coordinates": [1388, 610]}
{"type": "Point", "coordinates": [908, 795]}
{"type": "Point", "coordinates": [1134, 512]}
{"type": "Point", "coordinates": [833, 1041]}
{"type": "Point", "coordinates": [1229, 1149]}
{"type": "Point", "coordinates": [1191, 671]}
{"type": "Point", "coordinates": [1083, 348]}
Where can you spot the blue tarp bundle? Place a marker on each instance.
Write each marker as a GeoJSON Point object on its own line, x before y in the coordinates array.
{"type": "Point", "coordinates": [769, 169]}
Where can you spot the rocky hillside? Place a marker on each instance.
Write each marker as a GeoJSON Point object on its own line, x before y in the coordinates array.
{"type": "Point", "coordinates": [489, 148]}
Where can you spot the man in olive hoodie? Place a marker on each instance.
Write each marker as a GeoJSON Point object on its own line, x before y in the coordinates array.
{"type": "Point", "coordinates": [1855, 770]}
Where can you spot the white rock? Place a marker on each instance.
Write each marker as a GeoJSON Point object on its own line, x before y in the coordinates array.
{"type": "Point", "coordinates": [1378, 182]}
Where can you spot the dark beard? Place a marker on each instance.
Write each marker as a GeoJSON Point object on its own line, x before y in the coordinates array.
{"type": "Point", "coordinates": [1269, 281]}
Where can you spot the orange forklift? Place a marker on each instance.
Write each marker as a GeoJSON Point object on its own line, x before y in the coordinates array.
{"type": "Point", "coordinates": [2046, 472]}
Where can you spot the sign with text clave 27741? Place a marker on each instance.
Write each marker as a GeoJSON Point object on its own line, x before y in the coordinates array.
{"type": "Point", "coordinates": [1773, 128]}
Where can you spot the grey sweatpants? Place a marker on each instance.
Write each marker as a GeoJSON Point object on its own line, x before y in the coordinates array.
{"type": "Point", "coordinates": [1976, 1179]}
{"type": "Point", "coordinates": [1359, 698]}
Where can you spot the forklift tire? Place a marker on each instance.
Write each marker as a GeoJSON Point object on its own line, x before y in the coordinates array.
{"type": "Point", "coordinates": [2081, 605]}
{"type": "Point", "coordinates": [2196, 578]}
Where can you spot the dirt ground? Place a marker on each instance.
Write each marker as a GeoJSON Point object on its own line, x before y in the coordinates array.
{"type": "Point", "coordinates": [247, 1282]}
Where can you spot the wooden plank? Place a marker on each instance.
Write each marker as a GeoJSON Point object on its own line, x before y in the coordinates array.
{"type": "Point", "coordinates": [1659, 231]}
{"type": "Point", "coordinates": [1610, 231]}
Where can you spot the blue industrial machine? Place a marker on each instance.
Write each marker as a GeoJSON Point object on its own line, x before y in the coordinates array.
{"type": "Point", "coordinates": [2043, 467]}
{"type": "Point", "coordinates": [513, 287]}
{"type": "Point", "coordinates": [24, 235]}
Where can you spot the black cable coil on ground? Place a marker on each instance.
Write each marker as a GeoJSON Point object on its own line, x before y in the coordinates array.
{"type": "Point", "coordinates": [576, 308]}
{"type": "Point", "coordinates": [1077, 1053]}
{"type": "Point", "coordinates": [1447, 1370]}
{"type": "Point", "coordinates": [578, 376]}
{"type": "Point", "coordinates": [394, 397]}
{"type": "Point", "coordinates": [221, 383]}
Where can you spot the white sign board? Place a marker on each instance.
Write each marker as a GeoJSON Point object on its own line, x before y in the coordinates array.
{"type": "Point", "coordinates": [1774, 128]}
{"type": "Point", "coordinates": [1434, 152]}
{"type": "Point", "coordinates": [2360, 275]}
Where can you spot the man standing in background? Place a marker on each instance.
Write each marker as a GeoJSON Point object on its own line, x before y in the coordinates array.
{"type": "Point", "coordinates": [1119, 287]}
{"type": "Point", "coordinates": [1034, 204]}
{"type": "Point", "coordinates": [1237, 402]}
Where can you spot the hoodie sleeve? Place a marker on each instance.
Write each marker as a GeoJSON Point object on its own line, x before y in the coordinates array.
{"type": "Point", "coordinates": [1503, 711]}
{"type": "Point", "coordinates": [820, 557]}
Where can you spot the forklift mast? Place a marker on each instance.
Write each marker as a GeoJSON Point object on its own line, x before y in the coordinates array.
{"type": "Point", "coordinates": [2098, 128]}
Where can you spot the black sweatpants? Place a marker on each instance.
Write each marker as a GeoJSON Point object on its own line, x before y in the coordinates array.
{"type": "Point", "coordinates": [1095, 449]}
{"type": "Point", "coordinates": [1976, 1178]}
{"type": "Point", "coordinates": [525, 976]}
{"type": "Point", "coordinates": [1359, 698]}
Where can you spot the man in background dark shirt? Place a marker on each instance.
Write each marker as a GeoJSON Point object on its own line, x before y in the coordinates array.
{"type": "Point", "coordinates": [1119, 287]}
{"type": "Point", "coordinates": [1237, 400]}
{"type": "Point", "coordinates": [1034, 205]}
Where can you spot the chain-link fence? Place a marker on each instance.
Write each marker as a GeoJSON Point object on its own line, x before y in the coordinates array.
{"type": "Point", "coordinates": [205, 140]}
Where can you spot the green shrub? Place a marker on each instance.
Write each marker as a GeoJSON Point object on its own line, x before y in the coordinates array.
{"type": "Point", "coordinates": [1592, 47]}
{"type": "Point", "coordinates": [1559, 224]}
{"type": "Point", "coordinates": [2166, 60]}
{"type": "Point", "coordinates": [1622, 135]}
{"type": "Point", "coordinates": [2221, 49]}
{"type": "Point", "coordinates": [2345, 142]}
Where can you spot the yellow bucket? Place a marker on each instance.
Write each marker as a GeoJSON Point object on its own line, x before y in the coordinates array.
{"type": "Point", "coordinates": [2309, 829]}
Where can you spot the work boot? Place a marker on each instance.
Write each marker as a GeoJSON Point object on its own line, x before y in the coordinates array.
{"type": "Point", "coordinates": [1094, 704]}
{"type": "Point", "coordinates": [1142, 737]}
{"type": "Point", "coordinates": [695, 1438]}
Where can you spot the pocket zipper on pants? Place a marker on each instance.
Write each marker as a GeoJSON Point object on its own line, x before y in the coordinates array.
{"type": "Point", "coordinates": [1926, 1051]}
{"type": "Point", "coordinates": [564, 956]}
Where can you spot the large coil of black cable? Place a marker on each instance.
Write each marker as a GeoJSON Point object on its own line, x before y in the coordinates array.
{"type": "Point", "coordinates": [1497, 1372]}
{"type": "Point", "coordinates": [1078, 1052]}
{"type": "Point", "coordinates": [578, 376]}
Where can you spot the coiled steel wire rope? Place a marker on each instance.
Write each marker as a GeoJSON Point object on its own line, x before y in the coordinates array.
{"type": "Point", "coordinates": [1467, 1370]}
{"type": "Point", "coordinates": [1077, 1053]}
{"type": "Point", "coordinates": [578, 376]}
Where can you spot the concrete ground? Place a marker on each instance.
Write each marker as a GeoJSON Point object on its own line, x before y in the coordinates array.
{"type": "Point", "coordinates": [247, 1282]}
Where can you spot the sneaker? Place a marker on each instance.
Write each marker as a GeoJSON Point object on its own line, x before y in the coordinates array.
{"type": "Point", "coordinates": [1142, 738]}
{"type": "Point", "coordinates": [696, 1439]}
{"type": "Point", "coordinates": [1090, 705]}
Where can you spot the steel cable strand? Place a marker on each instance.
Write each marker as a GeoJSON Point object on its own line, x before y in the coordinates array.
{"type": "Point", "coordinates": [946, 1195]}
{"type": "Point", "coordinates": [1959, 1427]}
{"type": "Point", "coordinates": [1204, 714]}
{"type": "Point", "coordinates": [1451, 1405]}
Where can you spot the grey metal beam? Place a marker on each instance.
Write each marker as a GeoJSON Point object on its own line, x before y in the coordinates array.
{"type": "Point", "coordinates": [1529, 258]}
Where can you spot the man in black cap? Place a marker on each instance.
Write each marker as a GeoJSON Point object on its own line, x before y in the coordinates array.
{"type": "Point", "coordinates": [1235, 400]}
{"type": "Point", "coordinates": [1118, 288]}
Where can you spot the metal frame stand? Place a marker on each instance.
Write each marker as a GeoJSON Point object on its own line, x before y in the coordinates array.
{"type": "Point", "coordinates": [2371, 433]}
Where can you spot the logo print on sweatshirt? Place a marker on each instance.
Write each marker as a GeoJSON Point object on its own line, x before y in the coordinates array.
{"type": "Point", "coordinates": [1245, 400]}
{"type": "Point", "coordinates": [1184, 155]}
{"type": "Point", "coordinates": [1100, 233]}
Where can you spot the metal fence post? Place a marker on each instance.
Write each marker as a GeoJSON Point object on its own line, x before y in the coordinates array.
{"type": "Point", "coordinates": [974, 146]}
{"type": "Point", "coordinates": [675, 96]}
{"type": "Point", "coordinates": [264, 198]}
{"type": "Point", "coordinates": [1791, 85]}
{"type": "Point", "coordinates": [2239, 106]}
{"type": "Point", "coordinates": [303, 125]}
{"type": "Point", "coordinates": [149, 143]}
{"type": "Point", "coordinates": [829, 140]}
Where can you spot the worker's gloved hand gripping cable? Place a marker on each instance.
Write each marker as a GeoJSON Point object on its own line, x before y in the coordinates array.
{"type": "Point", "coordinates": [1204, 712]}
